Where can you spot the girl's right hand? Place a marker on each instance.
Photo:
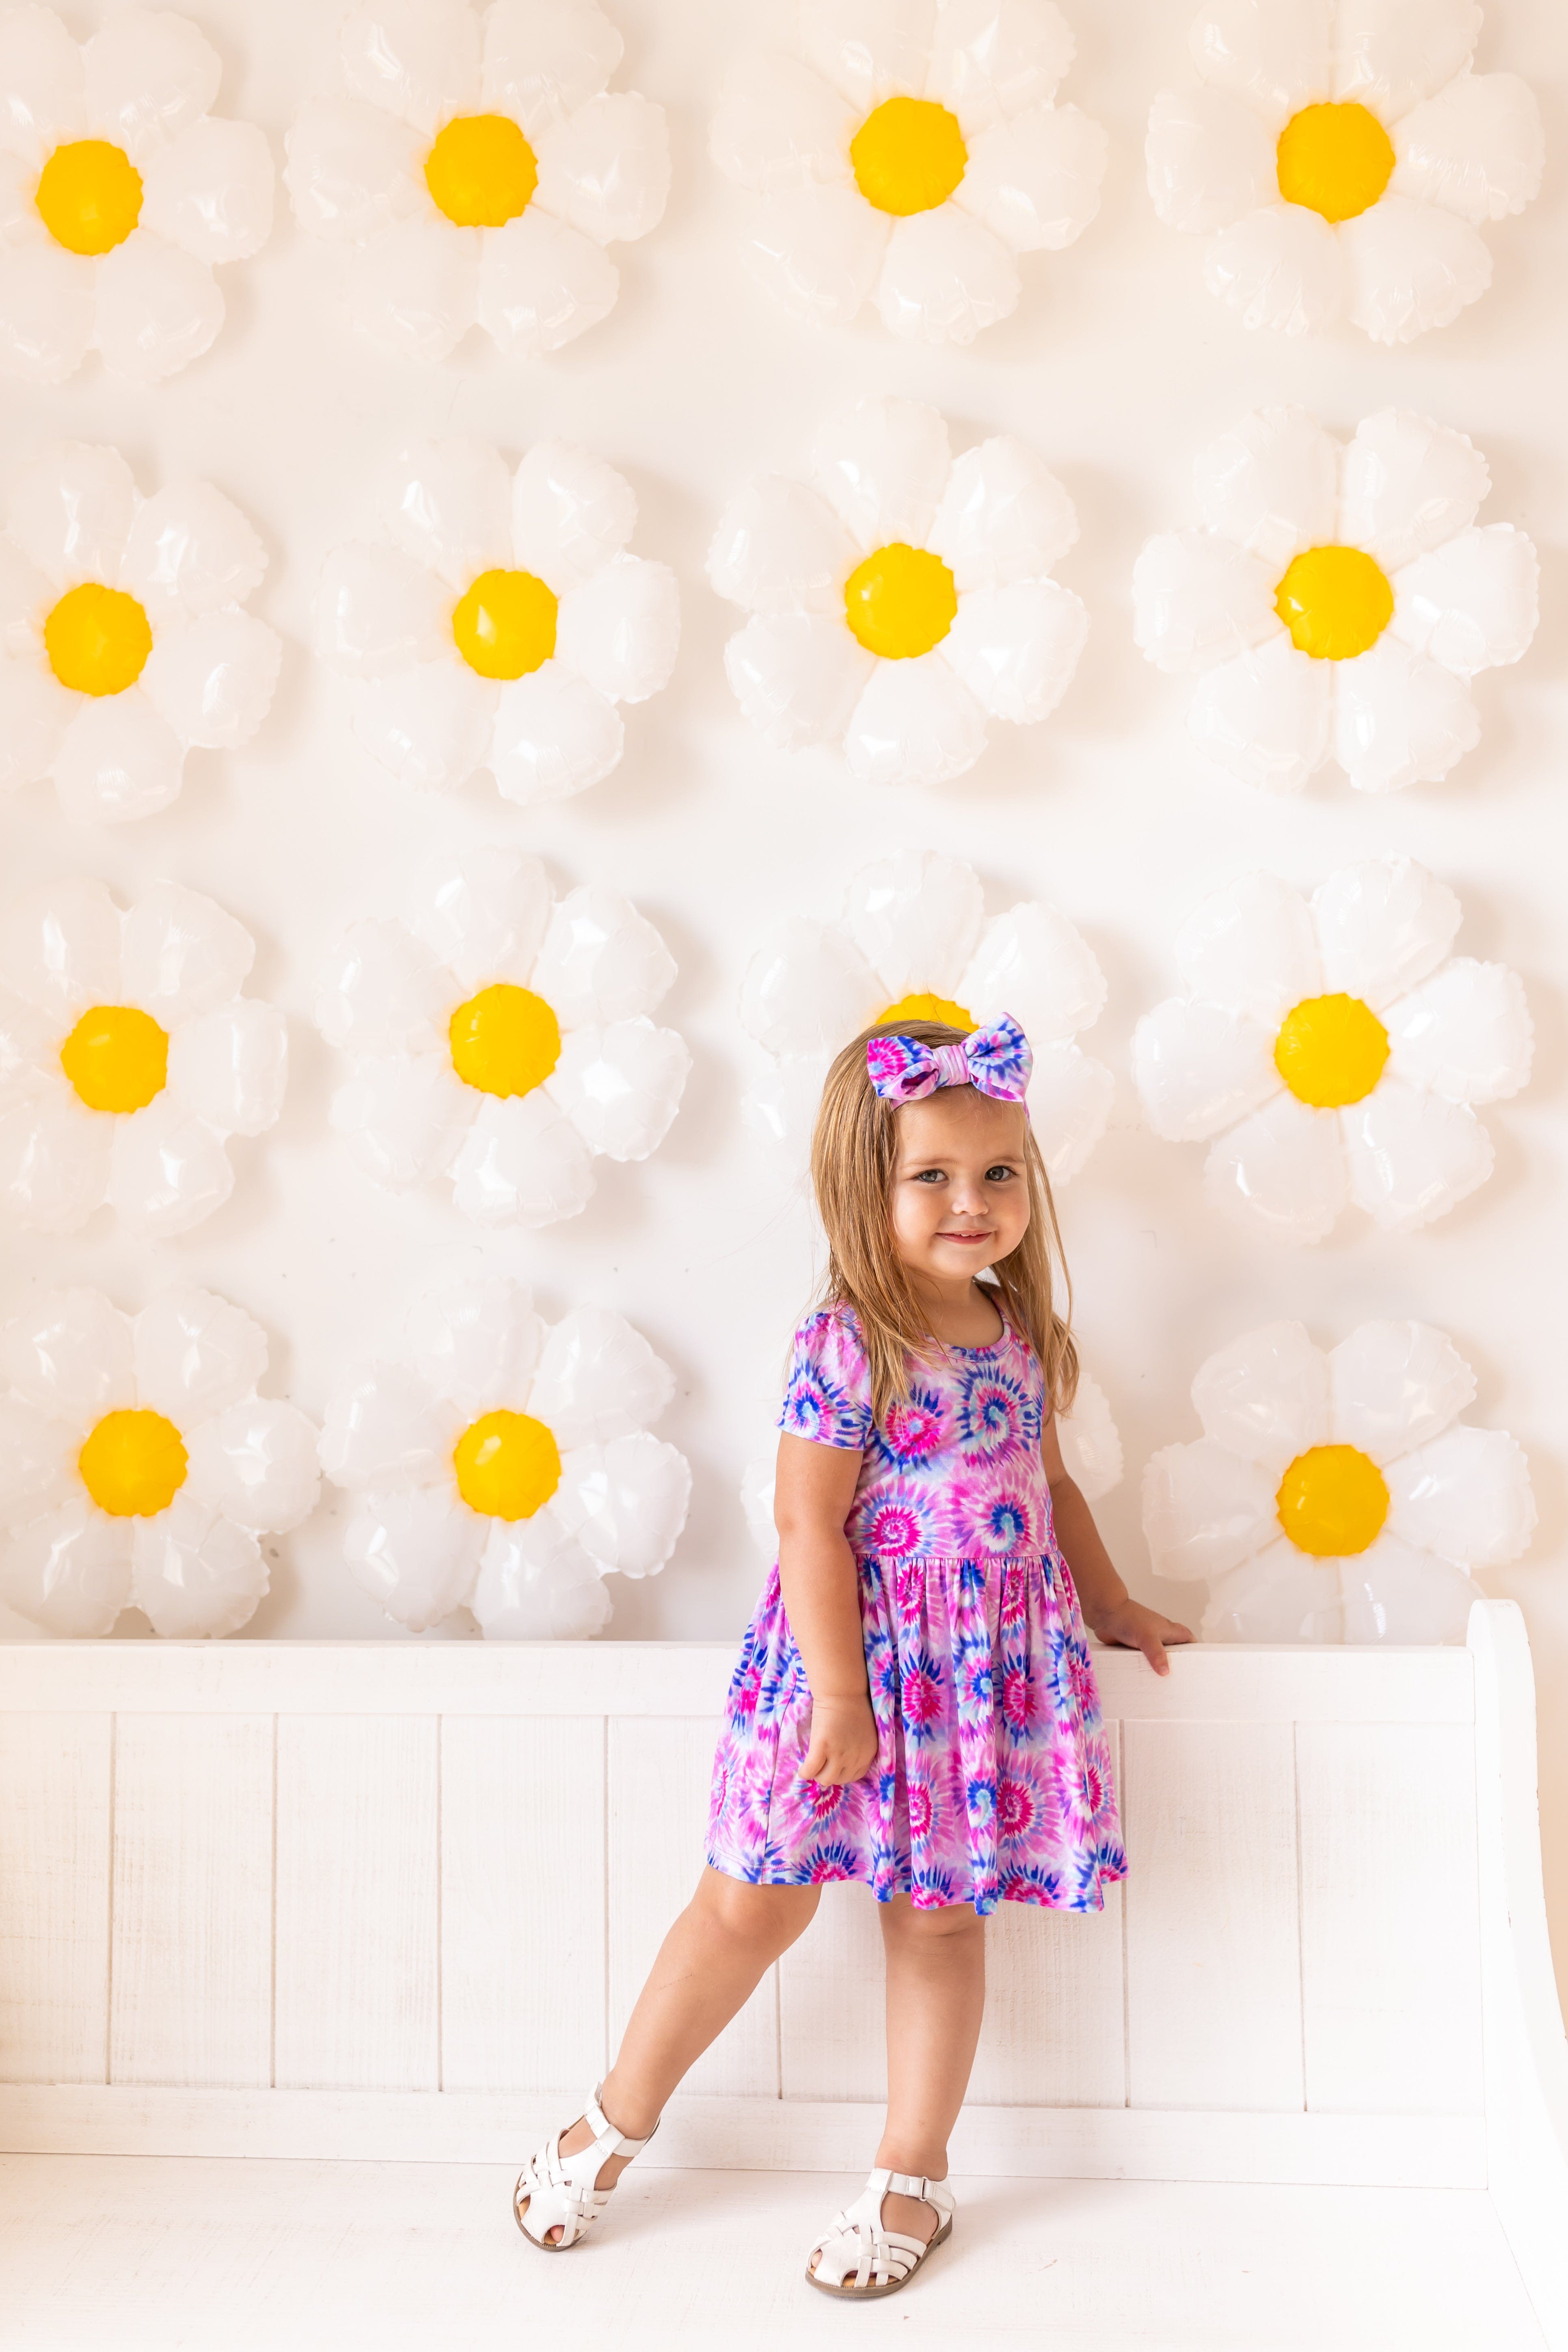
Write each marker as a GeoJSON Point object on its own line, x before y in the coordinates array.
{"type": "Point", "coordinates": [843, 1745]}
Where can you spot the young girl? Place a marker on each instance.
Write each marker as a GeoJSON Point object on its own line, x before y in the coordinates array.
{"type": "Point", "coordinates": [914, 1704]}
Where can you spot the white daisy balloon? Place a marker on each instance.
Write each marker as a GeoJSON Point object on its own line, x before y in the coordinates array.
{"type": "Point", "coordinates": [1337, 1497]}
{"type": "Point", "coordinates": [502, 1039]}
{"type": "Point", "coordinates": [123, 644]}
{"type": "Point", "coordinates": [137, 1464]}
{"type": "Point", "coordinates": [914, 943]}
{"type": "Point", "coordinates": [1338, 600]}
{"type": "Point", "coordinates": [128, 1057]}
{"type": "Point", "coordinates": [1334, 1049]}
{"type": "Point", "coordinates": [505, 622]}
{"type": "Point", "coordinates": [1341, 159]}
{"type": "Point", "coordinates": [901, 599]}
{"type": "Point", "coordinates": [476, 171]}
{"type": "Point", "coordinates": [909, 158]}
{"type": "Point", "coordinates": [119, 193]}
{"type": "Point", "coordinates": [506, 1464]}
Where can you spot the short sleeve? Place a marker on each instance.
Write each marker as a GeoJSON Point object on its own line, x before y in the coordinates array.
{"type": "Point", "coordinates": [827, 1397]}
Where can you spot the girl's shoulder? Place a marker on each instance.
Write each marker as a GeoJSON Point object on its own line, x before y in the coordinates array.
{"type": "Point", "coordinates": [829, 1394]}
{"type": "Point", "coordinates": [830, 1337]}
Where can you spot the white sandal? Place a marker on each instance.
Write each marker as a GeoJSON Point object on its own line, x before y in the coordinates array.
{"type": "Point", "coordinates": [561, 2190]}
{"type": "Point", "coordinates": [859, 2257]}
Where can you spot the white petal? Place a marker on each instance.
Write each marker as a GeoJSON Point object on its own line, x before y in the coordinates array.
{"type": "Point", "coordinates": [194, 1572]}
{"type": "Point", "coordinates": [624, 1502]}
{"type": "Point", "coordinates": [554, 735]}
{"type": "Point", "coordinates": [119, 760]}
{"type": "Point", "coordinates": [181, 954]}
{"type": "Point", "coordinates": [191, 551]}
{"type": "Point", "coordinates": [523, 1163]}
{"type": "Point", "coordinates": [485, 916]}
{"type": "Point", "coordinates": [1477, 148]}
{"type": "Point", "coordinates": [256, 1464]}
{"type": "Point", "coordinates": [1264, 715]}
{"type": "Point", "coordinates": [882, 464]}
{"type": "Point", "coordinates": [378, 612]}
{"type": "Point", "coordinates": [60, 947]}
{"type": "Point", "coordinates": [413, 289]}
{"type": "Point", "coordinates": [946, 275]}
{"type": "Point", "coordinates": [1003, 517]}
{"type": "Point", "coordinates": [607, 170]}
{"type": "Point", "coordinates": [1473, 603]}
{"type": "Point", "coordinates": [54, 1162]}
{"type": "Point", "coordinates": [1198, 599]}
{"type": "Point", "coordinates": [1198, 1067]}
{"type": "Point", "coordinates": [229, 1068]}
{"type": "Point", "coordinates": [1283, 1595]}
{"type": "Point", "coordinates": [869, 48]}
{"type": "Point", "coordinates": [1251, 946]}
{"type": "Point", "coordinates": [1387, 55]}
{"type": "Point", "coordinates": [1400, 719]}
{"type": "Point", "coordinates": [807, 990]}
{"type": "Point", "coordinates": [779, 548]}
{"type": "Point", "coordinates": [41, 75]}
{"type": "Point", "coordinates": [405, 1119]}
{"type": "Point", "coordinates": [417, 1555]}
{"type": "Point", "coordinates": [1466, 1033]}
{"type": "Point", "coordinates": [46, 308]}
{"type": "Point", "coordinates": [1409, 267]}
{"type": "Point", "coordinates": [620, 630]}
{"type": "Point", "coordinates": [1393, 1386]}
{"type": "Point", "coordinates": [601, 961]}
{"type": "Point", "coordinates": [916, 722]}
{"type": "Point", "coordinates": [70, 1352]}
{"type": "Point", "coordinates": [994, 58]}
{"type": "Point", "coordinates": [157, 309]}
{"type": "Point", "coordinates": [779, 1110]}
{"type": "Point", "coordinates": [1382, 925]}
{"type": "Point", "coordinates": [476, 1343]}
{"type": "Point", "coordinates": [1266, 1396]}
{"type": "Point", "coordinates": [380, 993]}
{"type": "Point", "coordinates": [536, 1583]}
{"type": "Point", "coordinates": [779, 125]}
{"type": "Point", "coordinates": [1271, 484]}
{"type": "Point", "coordinates": [71, 512]}
{"type": "Point", "coordinates": [35, 711]}
{"type": "Point", "coordinates": [1205, 1510]}
{"type": "Point", "coordinates": [1275, 57]}
{"type": "Point", "coordinates": [818, 252]}
{"type": "Point", "coordinates": [30, 1041]}
{"type": "Point", "coordinates": [1070, 1096]}
{"type": "Point", "coordinates": [149, 75]}
{"type": "Point", "coordinates": [1016, 647]}
{"type": "Point", "coordinates": [195, 1354]}
{"type": "Point", "coordinates": [543, 59]}
{"type": "Point", "coordinates": [213, 679]}
{"type": "Point", "coordinates": [69, 1573]}
{"type": "Point", "coordinates": [429, 725]}
{"type": "Point", "coordinates": [916, 917]}
{"type": "Point", "coordinates": [1393, 1593]}
{"type": "Point", "coordinates": [1035, 180]}
{"type": "Point", "coordinates": [1091, 1444]}
{"type": "Point", "coordinates": [1283, 1168]}
{"type": "Point", "coordinates": [418, 59]}
{"type": "Point", "coordinates": [1412, 1157]}
{"type": "Point", "coordinates": [541, 283]}
{"type": "Point", "coordinates": [1208, 159]}
{"type": "Point", "coordinates": [598, 1379]}
{"type": "Point", "coordinates": [448, 505]}
{"type": "Point", "coordinates": [1279, 266]}
{"type": "Point", "coordinates": [571, 513]}
{"type": "Point", "coordinates": [24, 602]}
{"type": "Point", "coordinates": [211, 192]}
{"type": "Point", "coordinates": [620, 1086]}
{"type": "Point", "coordinates": [1031, 962]}
{"type": "Point", "coordinates": [1408, 485]}
{"type": "Point", "coordinates": [167, 1170]}
{"type": "Point", "coordinates": [1465, 1497]}
{"type": "Point", "coordinates": [352, 169]}
{"type": "Point", "coordinates": [35, 1459]}
{"type": "Point", "coordinates": [390, 1428]}
{"type": "Point", "coordinates": [798, 677]}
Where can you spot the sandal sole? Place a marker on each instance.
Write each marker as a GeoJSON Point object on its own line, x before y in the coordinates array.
{"type": "Point", "coordinates": [870, 2294]}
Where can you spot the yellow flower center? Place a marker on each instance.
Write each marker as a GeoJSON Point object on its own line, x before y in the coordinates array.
{"type": "Point", "coordinates": [116, 1058]}
{"type": "Point", "coordinates": [1332, 1501]}
{"type": "Point", "coordinates": [481, 172]}
{"type": "Point", "coordinates": [508, 1465]}
{"type": "Point", "coordinates": [900, 601]}
{"type": "Point", "coordinates": [923, 1007]}
{"type": "Point", "coordinates": [1330, 1051]}
{"type": "Point", "coordinates": [505, 1039]}
{"type": "Point", "coordinates": [133, 1464]}
{"type": "Point", "coordinates": [909, 155]}
{"type": "Point", "coordinates": [1335, 159]}
{"type": "Point", "coordinates": [505, 626]}
{"type": "Point", "coordinates": [89, 196]}
{"type": "Point", "coordinates": [1335, 601]}
{"type": "Point", "coordinates": [97, 639]}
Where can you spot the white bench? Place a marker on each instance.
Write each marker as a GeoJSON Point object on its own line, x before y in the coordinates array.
{"type": "Point", "coordinates": [395, 1900]}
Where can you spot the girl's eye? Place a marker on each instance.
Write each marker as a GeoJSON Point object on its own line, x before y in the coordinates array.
{"type": "Point", "coordinates": [997, 1175]}
{"type": "Point", "coordinates": [930, 1176]}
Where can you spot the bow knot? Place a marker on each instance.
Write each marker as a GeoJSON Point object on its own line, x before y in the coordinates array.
{"type": "Point", "coordinates": [996, 1060]}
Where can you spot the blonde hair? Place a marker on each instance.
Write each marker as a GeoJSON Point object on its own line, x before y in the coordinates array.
{"type": "Point", "coordinates": [854, 1155]}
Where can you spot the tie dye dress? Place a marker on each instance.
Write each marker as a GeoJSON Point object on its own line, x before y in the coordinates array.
{"type": "Point", "coordinates": [993, 1775]}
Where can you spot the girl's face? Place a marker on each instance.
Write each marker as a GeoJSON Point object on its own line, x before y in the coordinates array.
{"type": "Point", "coordinates": [961, 1196]}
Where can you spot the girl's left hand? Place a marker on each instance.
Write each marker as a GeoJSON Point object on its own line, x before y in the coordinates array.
{"type": "Point", "coordinates": [1129, 1626]}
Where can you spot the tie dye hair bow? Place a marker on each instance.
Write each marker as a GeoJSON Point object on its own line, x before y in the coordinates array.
{"type": "Point", "coordinates": [996, 1061]}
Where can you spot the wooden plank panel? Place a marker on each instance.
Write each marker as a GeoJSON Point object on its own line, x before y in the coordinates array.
{"type": "Point", "coordinates": [357, 1897]}
{"type": "Point", "coordinates": [1053, 2034]}
{"type": "Point", "coordinates": [1213, 1940]}
{"type": "Point", "coordinates": [54, 1897]}
{"type": "Point", "coordinates": [832, 2010]}
{"type": "Point", "coordinates": [523, 1904]}
{"type": "Point", "coordinates": [191, 1966]}
{"type": "Point", "coordinates": [1390, 1925]}
{"type": "Point", "coordinates": [659, 1808]}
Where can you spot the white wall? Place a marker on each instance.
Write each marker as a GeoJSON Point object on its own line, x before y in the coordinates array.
{"type": "Point", "coordinates": [1118, 368]}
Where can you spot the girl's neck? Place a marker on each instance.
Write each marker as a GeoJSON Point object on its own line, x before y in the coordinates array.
{"type": "Point", "coordinates": [959, 1315]}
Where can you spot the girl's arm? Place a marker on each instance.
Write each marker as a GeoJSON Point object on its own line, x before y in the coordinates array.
{"type": "Point", "coordinates": [812, 1497]}
{"type": "Point", "coordinates": [1109, 1609]}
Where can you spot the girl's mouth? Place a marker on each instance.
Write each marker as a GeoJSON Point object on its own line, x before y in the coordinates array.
{"type": "Point", "coordinates": [963, 1238]}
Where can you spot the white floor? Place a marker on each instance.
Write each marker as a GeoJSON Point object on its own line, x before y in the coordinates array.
{"type": "Point", "coordinates": [105, 2254]}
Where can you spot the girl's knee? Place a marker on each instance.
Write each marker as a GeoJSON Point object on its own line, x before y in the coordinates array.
{"type": "Point", "coordinates": [767, 1917]}
{"type": "Point", "coordinates": [950, 1923]}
